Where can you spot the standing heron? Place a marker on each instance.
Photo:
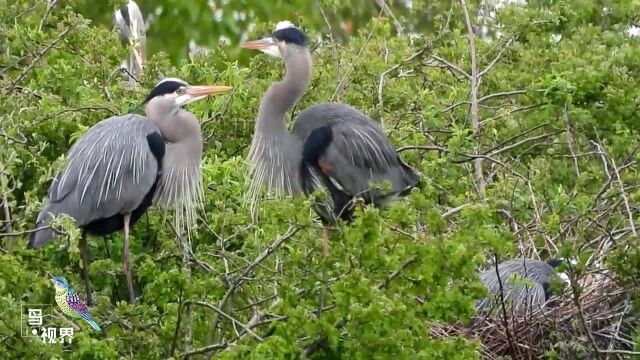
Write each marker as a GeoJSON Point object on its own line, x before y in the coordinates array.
{"type": "Point", "coordinates": [331, 145]}
{"type": "Point", "coordinates": [124, 164]}
{"type": "Point", "coordinates": [525, 284]}
{"type": "Point", "coordinates": [133, 33]}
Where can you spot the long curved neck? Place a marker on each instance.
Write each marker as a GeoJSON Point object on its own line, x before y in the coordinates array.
{"type": "Point", "coordinates": [177, 125]}
{"type": "Point", "coordinates": [283, 95]}
{"type": "Point", "coordinates": [275, 154]}
{"type": "Point", "coordinates": [180, 184]}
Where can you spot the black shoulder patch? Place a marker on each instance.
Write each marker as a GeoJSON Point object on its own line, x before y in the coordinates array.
{"type": "Point", "coordinates": [157, 147]}
{"type": "Point", "coordinates": [316, 143]}
{"type": "Point", "coordinates": [165, 87]}
{"type": "Point", "coordinates": [291, 35]}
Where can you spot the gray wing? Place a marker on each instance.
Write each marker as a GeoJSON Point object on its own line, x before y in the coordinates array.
{"type": "Point", "coordinates": [359, 154]}
{"type": "Point", "coordinates": [109, 171]}
{"type": "Point", "coordinates": [517, 294]}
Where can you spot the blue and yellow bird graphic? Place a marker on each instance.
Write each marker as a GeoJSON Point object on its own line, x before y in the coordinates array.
{"type": "Point", "coordinates": [70, 303]}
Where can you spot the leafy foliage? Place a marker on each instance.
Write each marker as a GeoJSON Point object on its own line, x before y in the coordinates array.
{"type": "Point", "coordinates": [555, 138]}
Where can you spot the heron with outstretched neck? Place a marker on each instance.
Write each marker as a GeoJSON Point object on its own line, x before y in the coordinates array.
{"type": "Point", "coordinates": [331, 145]}
{"type": "Point", "coordinates": [124, 164]}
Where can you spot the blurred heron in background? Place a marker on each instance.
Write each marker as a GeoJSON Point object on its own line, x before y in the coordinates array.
{"type": "Point", "coordinates": [331, 145]}
{"type": "Point", "coordinates": [525, 284]}
{"type": "Point", "coordinates": [124, 164]}
{"type": "Point", "coordinates": [132, 30]}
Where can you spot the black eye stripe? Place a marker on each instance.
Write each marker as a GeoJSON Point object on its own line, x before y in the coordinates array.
{"type": "Point", "coordinates": [165, 87]}
{"type": "Point", "coordinates": [291, 35]}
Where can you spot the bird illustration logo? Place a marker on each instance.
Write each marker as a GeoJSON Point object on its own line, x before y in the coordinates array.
{"type": "Point", "coordinates": [70, 303]}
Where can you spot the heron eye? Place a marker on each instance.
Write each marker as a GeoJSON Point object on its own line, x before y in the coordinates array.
{"type": "Point", "coordinates": [180, 91]}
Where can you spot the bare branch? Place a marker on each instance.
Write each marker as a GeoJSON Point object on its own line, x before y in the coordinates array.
{"type": "Point", "coordinates": [501, 94]}
{"type": "Point", "coordinates": [475, 116]}
{"type": "Point", "coordinates": [571, 140]}
{"type": "Point", "coordinates": [387, 11]}
{"type": "Point", "coordinates": [452, 66]}
{"type": "Point", "coordinates": [204, 350]}
{"type": "Point", "coordinates": [247, 270]}
{"type": "Point", "coordinates": [454, 211]}
{"type": "Point", "coordinates": [422, 147]}
{"type": "Point", "coordinates": [497, 58]}
{"type": "Point", "coordinates": [228, 317]}
{"type": "Point", "coordinates": [393, 68]}
{"type": "Point", "coordinates": [506, 148]}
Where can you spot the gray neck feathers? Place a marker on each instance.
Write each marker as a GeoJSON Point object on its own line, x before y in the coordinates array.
{"type": "Point", "coordinates": [283, 95]}
{"type": "Point", "coordinates": [180, 185]}
{"type": "Point", "coordinates": [275, 154]}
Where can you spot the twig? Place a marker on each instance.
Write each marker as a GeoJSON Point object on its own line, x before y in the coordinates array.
{"type": "Point", "coordinates": [454, 211]}
{"type": "Point", "coordinates": [387, 10]}
{"type": "Point", "coordinates": [505, 320]}
{"type": "Point", "coordinates": [204, 349]}
{"type": "Point", "coordinates": [395, 274]}
{"type": "Point", "coordinates": [571, 140]}
{"type": "Point", "coordinates": [50, 5]}
{"type": "Point", "coordinates": [422, 147]}
{"type": "Point", "coordinates": [7, 217]}
{"type": "Point", "coordinates": [501, 94]}
{"type": "Point", "coordinates": [247, 270]}
{"type": "Point", "coordinates": [228, 317]}
{"type": "Point", "coordinates": [575, 291]}
{"type": "Point", "coordinates": [334, 48]}
{"type": "Point", "coordinates": [393, 68]}
{"type": "Point", "coordinates": [506, 148]}
{"type": "Point", "coordinates": [475, 84]}
{"type": "Point", "coordinates": [495, 60]}
{"type": "Point", "coordinates": [623, 194]}
{"type": "Point", "coordinates": [38, 57]}
{"type": "Point", "coordinates": [353, 64]}
{"type": "Point", "coordinates": [174, 342]}
{"type": "Point", "coordinates": [452, 66]}
{"type": "Point", "coordinates": [20, 233]}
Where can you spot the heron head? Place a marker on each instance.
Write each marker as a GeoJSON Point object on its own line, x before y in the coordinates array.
{"type": "Point", "coordinates": [555, 263]}
{"type": "Point", "coordinates": [60, 282]}
{"type": "Point", "coordinates": [174, 92]}
{"type": "Point", "coordinates": [285, 38]}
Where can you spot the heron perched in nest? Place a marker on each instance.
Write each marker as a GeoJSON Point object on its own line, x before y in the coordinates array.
{"type": "Point", "coordinates": [331, 145]}
{"type": "Point", "coordinates": [525, 284]}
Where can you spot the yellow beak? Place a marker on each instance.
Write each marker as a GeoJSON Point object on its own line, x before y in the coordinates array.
{"type": "Point", "coordinates": [197, 91]}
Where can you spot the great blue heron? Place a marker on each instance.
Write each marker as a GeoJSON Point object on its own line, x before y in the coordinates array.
{"type": "Point", "coordinates": [132, 30]}
{"type": "Point", "coordinates": [124, 164]}
{"type": "Point", "coordinates": [331, 145]}
{"type": "Point", "coordinates": [525, 284]}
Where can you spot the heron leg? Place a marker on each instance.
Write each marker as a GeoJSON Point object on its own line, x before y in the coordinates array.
{"type": "Point", "coordinates": [126, 266]}
{"type": "Point", "coordinates": [84, 255]}
{"type": "Point", "coordinates": [326, 232]}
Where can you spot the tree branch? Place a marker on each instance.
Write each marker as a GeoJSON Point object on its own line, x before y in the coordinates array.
{"type": "Point", "coordinates": [475, 116]}
{"type": "Point", "coordinates": [38, 58]}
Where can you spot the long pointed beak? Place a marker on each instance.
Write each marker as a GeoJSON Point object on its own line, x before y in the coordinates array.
{"type": "Point", "coordinates": [262, 44]}
{"type": "Point", "coordinates": [195, 93]}
{"type": "Point", "coordinates": [198, 91]}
